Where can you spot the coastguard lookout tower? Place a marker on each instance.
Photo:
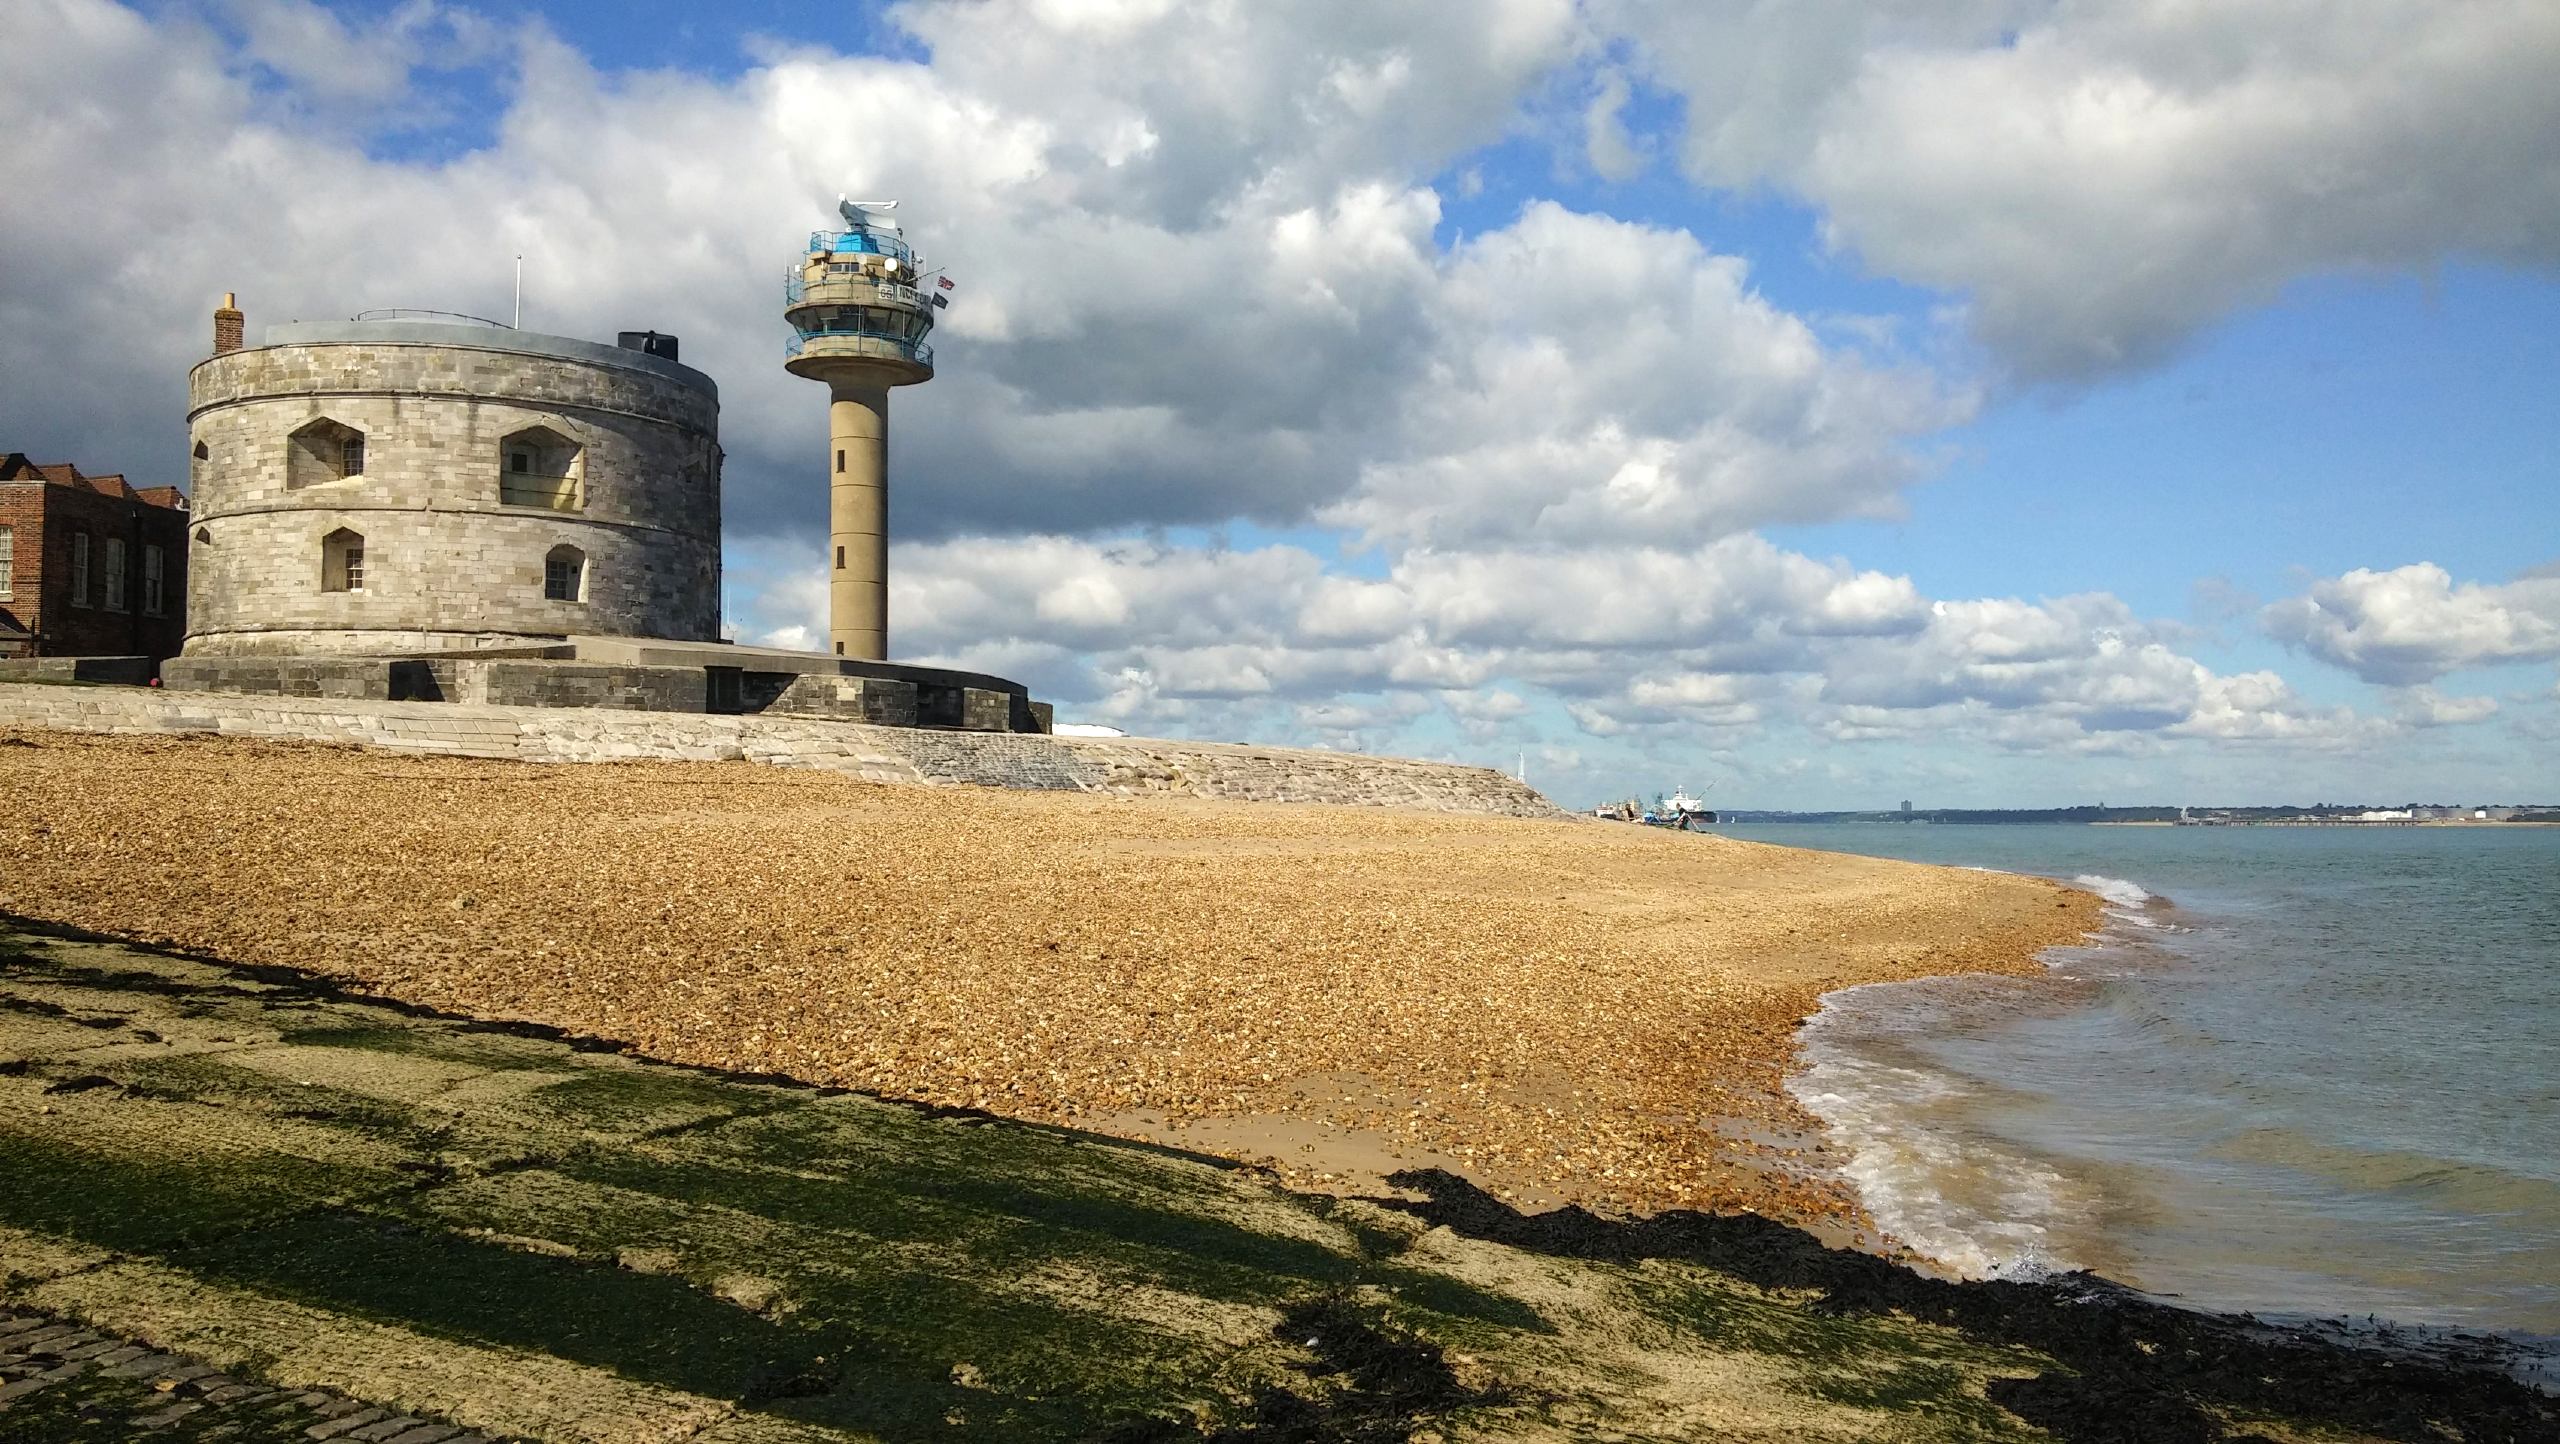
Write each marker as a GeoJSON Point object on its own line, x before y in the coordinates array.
{"type": "Point", "coordinates": [859, 318]}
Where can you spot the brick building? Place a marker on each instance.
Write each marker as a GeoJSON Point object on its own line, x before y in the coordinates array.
{"type": "Point", "coordinates": [89, 565]}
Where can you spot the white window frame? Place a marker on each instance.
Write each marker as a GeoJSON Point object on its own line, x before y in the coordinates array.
{"type": "Point", "coordinates": [79, 569]}
{"type": "Point", "coordinates": [324, 451]}
{"type": "Point", "coordinates": [342, 566]}
{"type": "Point", "coordinates": [8, 562]}
{"type": "Point", "coordinates": [155, 592]}
{"type": "Point", "coordinates": [114, 574]}
{"type": "Point", "coordinates": [577, 564]}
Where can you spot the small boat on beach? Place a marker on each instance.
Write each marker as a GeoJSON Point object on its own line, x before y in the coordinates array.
{"type": "Point", "coordinates": [1680, 810]}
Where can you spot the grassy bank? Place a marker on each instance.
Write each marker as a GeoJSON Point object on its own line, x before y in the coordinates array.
{"type": "Point", "coordinates": [533, 1236]}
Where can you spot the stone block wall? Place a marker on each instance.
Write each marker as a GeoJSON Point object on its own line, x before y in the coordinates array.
{"type": "Point", "coordinates": [348, 678]}
{"type": "Point", "coordinates": [500, 681]}
{"type": "Point", "coordinates": [967, 709]}
{"type": "Point", "coordinates": [1129, 766]}
{"type": "Point", "coordinates": [531, 677]}
{"type": "Point", "coordinates": [447, 560]}
{"type": "Point", "coordinates": [881, 701]}
{"type": "Point", "coordinates": [1240, 772]}
{"type": "Point", "coordinates": [121, 671]}
{"type": "Point", "coordinates": [587, 684]}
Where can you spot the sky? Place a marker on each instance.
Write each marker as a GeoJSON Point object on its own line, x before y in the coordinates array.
{"type": "Point", "coordinates": [1977, 402]}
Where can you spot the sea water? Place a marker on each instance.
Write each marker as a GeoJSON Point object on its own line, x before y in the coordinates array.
{"type": "Point", "coordinates": [2303, 1071]}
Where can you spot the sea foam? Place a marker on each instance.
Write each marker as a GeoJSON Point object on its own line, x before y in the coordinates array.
{"type": "Point", "coordinates": [2127, 902]}
{"type": "Point", "coordinates": [1976, 1210]}
{"type": "Point", "coordinates": [2114, 889]}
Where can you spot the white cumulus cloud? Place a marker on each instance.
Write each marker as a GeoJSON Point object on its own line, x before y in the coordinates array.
{"type": "Point", "coordinates": [2103, 177]}
{"type": "Point", "coordinates": [2413, 624]}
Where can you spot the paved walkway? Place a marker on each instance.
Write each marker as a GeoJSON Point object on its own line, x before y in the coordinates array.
{"type": "Point", "coordinates": [61, 1381]}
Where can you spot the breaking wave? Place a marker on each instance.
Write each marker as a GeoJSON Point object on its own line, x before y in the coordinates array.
{"type": "Point", "coordinates": [2127, 902]}
{"type": "Point", "coordinates": [1975, 1210]}
{"type": "Point", "coordinates": [1969, 1204]}
{"type": "Point", "coordinates": [2114, 889]}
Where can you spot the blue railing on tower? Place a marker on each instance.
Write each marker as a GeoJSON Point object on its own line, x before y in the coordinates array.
{"type": "Point", "coordinates": [858, 243]}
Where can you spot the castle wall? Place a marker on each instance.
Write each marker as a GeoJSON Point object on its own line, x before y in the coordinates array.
{"type": "Point", "coordinates": [453, 547]}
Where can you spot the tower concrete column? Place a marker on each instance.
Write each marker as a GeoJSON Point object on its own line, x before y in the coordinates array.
{"type": "Point", "coordinates": [860, 311]}
{"type": "Point", "coordinates": [858, 519]}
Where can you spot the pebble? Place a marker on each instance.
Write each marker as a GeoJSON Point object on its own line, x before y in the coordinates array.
{"type": "Point", "coordinates": [1562, 1006]}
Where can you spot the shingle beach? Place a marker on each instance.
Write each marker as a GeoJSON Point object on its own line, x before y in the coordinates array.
{"type": "Point", "coordinates": [1562, 1010]}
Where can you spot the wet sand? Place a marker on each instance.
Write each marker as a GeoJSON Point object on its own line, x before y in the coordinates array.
{"type": "Point", "coordinates": [1556, 1010]}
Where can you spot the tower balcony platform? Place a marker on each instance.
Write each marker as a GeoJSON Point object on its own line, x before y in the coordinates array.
{"type": "Point", "coordinates": [815, 355]}
{"type": "Point", "coordinates": [853, 290]}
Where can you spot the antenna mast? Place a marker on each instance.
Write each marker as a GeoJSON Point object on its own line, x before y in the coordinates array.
{"type": "Point", "coordinates": [518, 322]}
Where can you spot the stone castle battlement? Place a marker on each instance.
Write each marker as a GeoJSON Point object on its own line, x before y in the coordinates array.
{"type": "Point", "coordinates": [381, 487]}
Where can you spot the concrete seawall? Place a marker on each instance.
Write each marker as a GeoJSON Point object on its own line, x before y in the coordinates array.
{"type": "Point", "coordinates": [1126, 766]}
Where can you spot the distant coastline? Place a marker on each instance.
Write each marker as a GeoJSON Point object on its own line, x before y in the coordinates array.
{"type": "Point", "coordinates": [2346, 822]}
{"type": "Point", "coordinates": [2101, 815]}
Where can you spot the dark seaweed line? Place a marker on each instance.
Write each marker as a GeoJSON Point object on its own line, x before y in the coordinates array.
{"type": "Point", "coordinates": [2134, 1369]}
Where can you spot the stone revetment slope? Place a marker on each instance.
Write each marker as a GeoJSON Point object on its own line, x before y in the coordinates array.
{"type": "Point", "coordinates": [915, 756]}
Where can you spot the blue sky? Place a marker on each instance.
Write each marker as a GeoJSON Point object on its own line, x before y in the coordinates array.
{"type": "Point", "coordinates": [1839, 404]}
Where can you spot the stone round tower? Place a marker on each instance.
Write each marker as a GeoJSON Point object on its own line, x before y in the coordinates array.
{"type": "Point", "coordinates": [405, 486]}
{"type": "Point", "coordinates": [859, 315]}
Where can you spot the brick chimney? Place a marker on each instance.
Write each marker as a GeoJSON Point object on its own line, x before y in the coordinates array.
{"type": "Point", "coordinates": [228, 324]}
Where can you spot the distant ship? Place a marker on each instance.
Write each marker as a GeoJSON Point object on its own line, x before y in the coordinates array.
{"type": "Point", "coordinates": [1679, 810]}
{"type": "Point", "coordinates": [1682, 811]}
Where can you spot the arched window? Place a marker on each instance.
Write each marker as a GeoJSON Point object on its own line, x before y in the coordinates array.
{"type": "Point", "coordinates": [342, 561]}
{"type": "Point", "coordinates": [540, 467]}
{"type": "Point", "coordinates": [323, 451]}
{"type": "Point", "coordinates": [564, 575]}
